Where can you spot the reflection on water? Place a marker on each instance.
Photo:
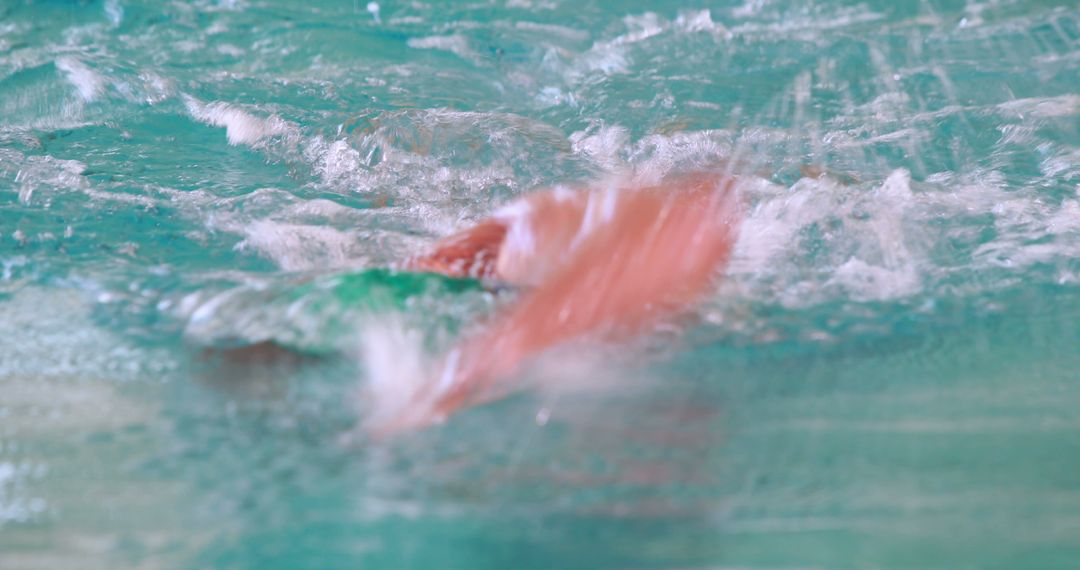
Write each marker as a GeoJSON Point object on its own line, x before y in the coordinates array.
{"type": "Point", "coordinates": [883, 380]}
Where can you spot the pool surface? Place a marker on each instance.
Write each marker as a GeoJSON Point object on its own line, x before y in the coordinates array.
{"type": "Point", "coordinates": [886, 378]}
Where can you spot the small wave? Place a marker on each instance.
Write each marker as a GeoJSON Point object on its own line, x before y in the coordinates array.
{"type": "Point", "coordinates": [241, 127]}
{"type": "Point", "coordinates": [295, 247]}
{"type": "Point", "coordinates": [1043, 107]}
{"type": "Point", "coordinates": [873, 253]}
{"type": "Point", "coordinates": [701, 21]}
{"type": "Point", "coordinates": [89, 83]}
{"type": "Point", "coordinates": [456, 44]}
{"type": "Point", "coordinates": [30, 174]}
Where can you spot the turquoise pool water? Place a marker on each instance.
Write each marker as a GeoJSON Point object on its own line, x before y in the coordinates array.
{"type": "Point", "coordinates": [887, 377]}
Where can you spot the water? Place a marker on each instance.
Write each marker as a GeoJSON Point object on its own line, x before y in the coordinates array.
{"type": "Point", "coordinates": [886, 379]}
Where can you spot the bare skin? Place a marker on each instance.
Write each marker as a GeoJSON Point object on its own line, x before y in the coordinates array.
{"type": "Point", "coordinates": [606, 262]}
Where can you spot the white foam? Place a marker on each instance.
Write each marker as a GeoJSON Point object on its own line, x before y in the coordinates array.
{"type": "Point", "coordinates": [230, 6]}
{"type": "Point", "coordinates": [1064, 165]}
{"type": "Point", "coordinates": [35, 173]}
{"type": "Point", "coordinates": [565, 32]}
{"type": "Point", "coordinates": [641, 27]}
{"type": "Point", "coordinates": [865, 282]}
{"type": "Point", "coordinates": [114, 12]}
{"type": "Point", "coordinates": [610, 57]}
{"type": "Point", "coordinates": [295, 234]}
{"type": "Point", "coordinates": [89, 83]}
{"type": "Point", "coordinates": [7, 266]}
{"type": "Point", "coordinates": [654, 156]}
{"type": "Point", "coordinates": [241, 127]}
{"type": "Point", "coordinates": [405, 382]}
{"type": "Point", "coordinates": [1029, 231]}
{"type": "Point", "coordinates": [873, 254]}
{"type": "Point", "coordinates": [295, 247]}
{"type": "Point", "coordinates": [321, 210]}
{"type": "Point", "coordinates": [700, 21]}
{"type": "Point", "coordinates": [551, 96]}
{"type": "Point", "coordinates": [601, 146]}
{"type": "Point", "coordinates": [401, 388]}
{"type": "Point", "coordinates": [749, 8]}
{"type": "Point", "coordinates": [341, 165]}
{"type": "Point", "coordinates": [230, 50]}
{"type": "Point", "coordinates": [529, 4]}
{"type": "Point", "coordinates": [218, 27]}
{"type": "Point", "coordinates": [454, 43]}
{"type": "Point", "coordinates": [1043, 107]}
{"type": "Point", "coordinates": [406, 20]}
{"type": "Point", "coordinates": [157, 88]}
{"type": "Point", "coordinates": [606, 58]}
{"type": "Point", "coordinates": [770, 228]}
{"type": "Point", "coordinates": [809, 27]}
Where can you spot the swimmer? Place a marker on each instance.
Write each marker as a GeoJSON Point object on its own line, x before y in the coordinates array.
{"type": "Point", "coordinates": [607, 262]}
